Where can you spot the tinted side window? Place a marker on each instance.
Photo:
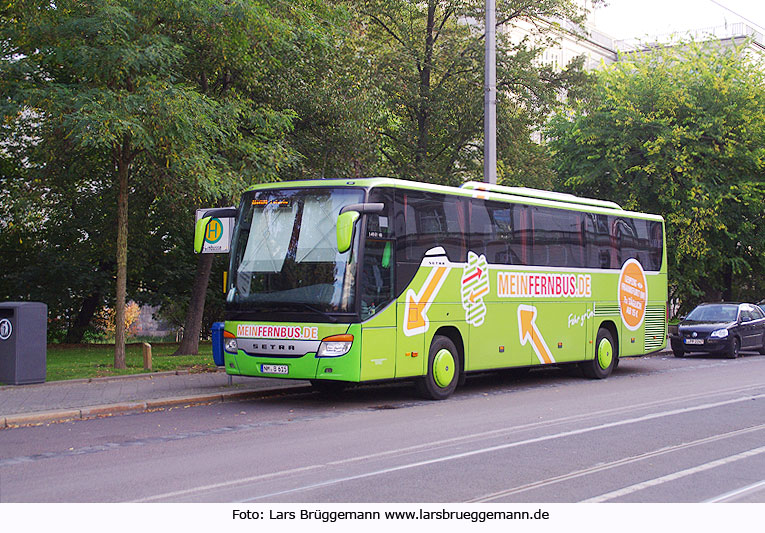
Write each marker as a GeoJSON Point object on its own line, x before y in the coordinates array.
{"type": "Point", "coordinates": [426, 220]}
{"type": "Point", "coordinates": [610, 241]}
{"type": "Point", "coordinates": [498, 230]}
{"type": "Point", "coordinates": [599, 251]}
{"type": "Point", "coordinates": [558, 238]}
{"type": "Point", "coordinates": [380, 226]}
{"type": "Point", "coordinates": [639, 239]}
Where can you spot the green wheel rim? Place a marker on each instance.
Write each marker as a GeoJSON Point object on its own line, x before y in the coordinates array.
{"type": "Point", "coordinates": [443, 368]}
{"type": "Point", "coordinates": [605, 353]}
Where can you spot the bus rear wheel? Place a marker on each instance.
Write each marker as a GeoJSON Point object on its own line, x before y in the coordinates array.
{"type": "Point", "coordinates": [443, 370]}
{"type": "Point", "coordinates": [604, 362]}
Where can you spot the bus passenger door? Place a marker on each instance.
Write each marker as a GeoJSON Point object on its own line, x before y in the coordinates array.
{"type": "Point", "coordinates": [377, 294]}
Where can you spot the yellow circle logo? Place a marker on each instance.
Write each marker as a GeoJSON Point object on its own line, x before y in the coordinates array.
{"type": "Point", "coordinates": [214, 231]}
{"type": "Point", "coordinates": [633, 294]}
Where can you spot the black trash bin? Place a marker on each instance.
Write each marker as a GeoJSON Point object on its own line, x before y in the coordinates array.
{"type": "Point", "coordinates": [23, 337]}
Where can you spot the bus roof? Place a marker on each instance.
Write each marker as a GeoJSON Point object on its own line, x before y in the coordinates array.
{"type": "Point", "coordinates": [537, 193]}
{"type": "Point", "coordinates": [499, 192]}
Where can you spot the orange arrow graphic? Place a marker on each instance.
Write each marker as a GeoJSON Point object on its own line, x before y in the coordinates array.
{"type": "Point", "coordinates": [475, 295]}
{"type": "Point", "coordinates": [528, 330]}
{"type": "Point", "coordinates": [417, 304]}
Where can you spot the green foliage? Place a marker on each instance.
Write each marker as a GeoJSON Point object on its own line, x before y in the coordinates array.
{"type": "Point", "coordinates": [428, 60]}
{"type": "Point", "coordinates": [190, 101]}
{"type": "Point", "coordinates": [679, 132]}
{"type": "Point", "coordinates": [162, 90]}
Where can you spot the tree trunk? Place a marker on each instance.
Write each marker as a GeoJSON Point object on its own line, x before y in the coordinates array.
{"type": "Point", "coordinates": [192, 326]}
{"type": "Point", "coordinates": [123, 165]}
{"type": "Point", "coordinates": [84, 317]}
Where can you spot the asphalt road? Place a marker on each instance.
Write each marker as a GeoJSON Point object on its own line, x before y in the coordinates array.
{"type": "Point", "coordinates": [659, 430]}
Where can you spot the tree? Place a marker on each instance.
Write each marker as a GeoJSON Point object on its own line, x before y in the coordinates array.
{"type": "Point", "coordinates": [108, 83]}
{"type": "Point", "coordinates": [429, 58]}
{"type": "Point", "coordinates": [324, 79]}
{"type": "Point", "coordinates": [681, 132]}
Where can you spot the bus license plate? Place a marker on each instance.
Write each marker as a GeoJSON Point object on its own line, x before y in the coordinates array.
{"type": "Point", "coordinates": [274, 369]}
{"type": "Point", "coordinates": [694, 341]}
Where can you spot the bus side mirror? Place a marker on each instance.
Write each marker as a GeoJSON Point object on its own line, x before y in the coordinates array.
{"type": "Point", "coordinates": [199, 233]}
{"type": "Point", "coordinates": [346, 223]}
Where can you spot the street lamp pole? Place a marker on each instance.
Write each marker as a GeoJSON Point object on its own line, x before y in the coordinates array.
{"type": "Point", "coordinates": [490, 98]}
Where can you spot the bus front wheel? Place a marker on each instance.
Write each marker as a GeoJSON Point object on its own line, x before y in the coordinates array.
{"type": "Point", "coordinates": [443, 371]}
{"type": "Point", "coordinates": [605, 359]}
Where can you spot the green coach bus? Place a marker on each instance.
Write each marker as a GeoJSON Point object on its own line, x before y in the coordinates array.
{"type": "Point", "coordinates": [347, 281]}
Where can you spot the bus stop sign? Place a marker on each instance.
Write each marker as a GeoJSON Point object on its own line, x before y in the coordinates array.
{"type": "Point", "coordinates": [218, 235]}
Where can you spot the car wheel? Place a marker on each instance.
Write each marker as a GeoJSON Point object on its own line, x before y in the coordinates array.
{"type": "Point", "coordinates": [734, 348]}
{"type": "Point", "coordinates": [762, 350]}
{"type": "Point", "coordinates": [604, 362]}
{"type": "Point", "coordinates": [443, 370]}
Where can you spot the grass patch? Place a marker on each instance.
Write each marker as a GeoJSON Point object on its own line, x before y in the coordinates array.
{"type": "Point", "coordinates": [76, 361]}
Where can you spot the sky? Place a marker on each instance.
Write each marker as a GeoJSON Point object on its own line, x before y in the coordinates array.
{"type": "Point", "coordinates": [627, 19]}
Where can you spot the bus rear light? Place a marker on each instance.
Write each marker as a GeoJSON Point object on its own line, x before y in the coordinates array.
{"type": "Point", "coordinates": [335, 346]}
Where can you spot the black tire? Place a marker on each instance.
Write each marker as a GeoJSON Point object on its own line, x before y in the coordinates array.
{"type": "Point", "coordinates": [762, 350]}
{"type": "Point", "coordinates": [443, 370]}
{"type": "Point", "coordinates": [604, 362]}
{"type": "Point", "coordinates": [677, 349]}
{"type": "Point", "coordinates": [734, 349]}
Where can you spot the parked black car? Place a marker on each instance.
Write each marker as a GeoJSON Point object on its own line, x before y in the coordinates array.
{"type": "Point", "coordinates": [724, 328]}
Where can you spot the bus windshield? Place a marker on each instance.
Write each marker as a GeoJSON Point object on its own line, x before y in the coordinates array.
{"type": "Point", "coordinates": [285, 254]}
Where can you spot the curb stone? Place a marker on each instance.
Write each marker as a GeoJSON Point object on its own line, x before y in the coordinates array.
{"type": "Point", "coordinates": [144, 375]}
{"type": "Point", "coordinates": [60, 415]}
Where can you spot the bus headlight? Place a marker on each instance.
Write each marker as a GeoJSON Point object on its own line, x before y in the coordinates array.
{"type": "Point", "coordinates": [229, 342]}
{"type": "Point", "coordinates": [335, 346]}
{"type": "Point", "coordinates": [719, 333]}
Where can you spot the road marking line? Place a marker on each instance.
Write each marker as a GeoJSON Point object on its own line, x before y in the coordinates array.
{"type": "Point", "coordinates": [225, 484]}
{"type": "Point", "coordinates": [613, 464]}
{"type": "Point", "coordinates": [487, 434]}
{"type": "Point", "coordinates": [730, 496]}
{"type": "Point", "coordinates": [507, 446]}
{"type": "Point", "coordinates": [676, 475]}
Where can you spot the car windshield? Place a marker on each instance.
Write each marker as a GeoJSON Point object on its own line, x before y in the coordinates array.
{"type": "Point", "coordinates": [714, 313]}
{"type": "Point", "coordinates": [285, 251]}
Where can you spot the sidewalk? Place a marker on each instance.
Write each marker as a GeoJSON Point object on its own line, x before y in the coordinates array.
{"type": "Point", "coordinates": [79, 399]}
{"type": "Point", "coordinates": [22, 405]}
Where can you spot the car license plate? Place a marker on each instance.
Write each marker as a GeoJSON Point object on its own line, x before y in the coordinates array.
{"type": "Point", "coordinates": [274, 369]}
{"type": "Point", "coordinates": [694, 341]}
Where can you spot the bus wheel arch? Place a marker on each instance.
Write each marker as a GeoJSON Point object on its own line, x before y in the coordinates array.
{"type": "Point", "coordinates": [606, 357]}
{"type": "Point", "coordinates": [445, 365]}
